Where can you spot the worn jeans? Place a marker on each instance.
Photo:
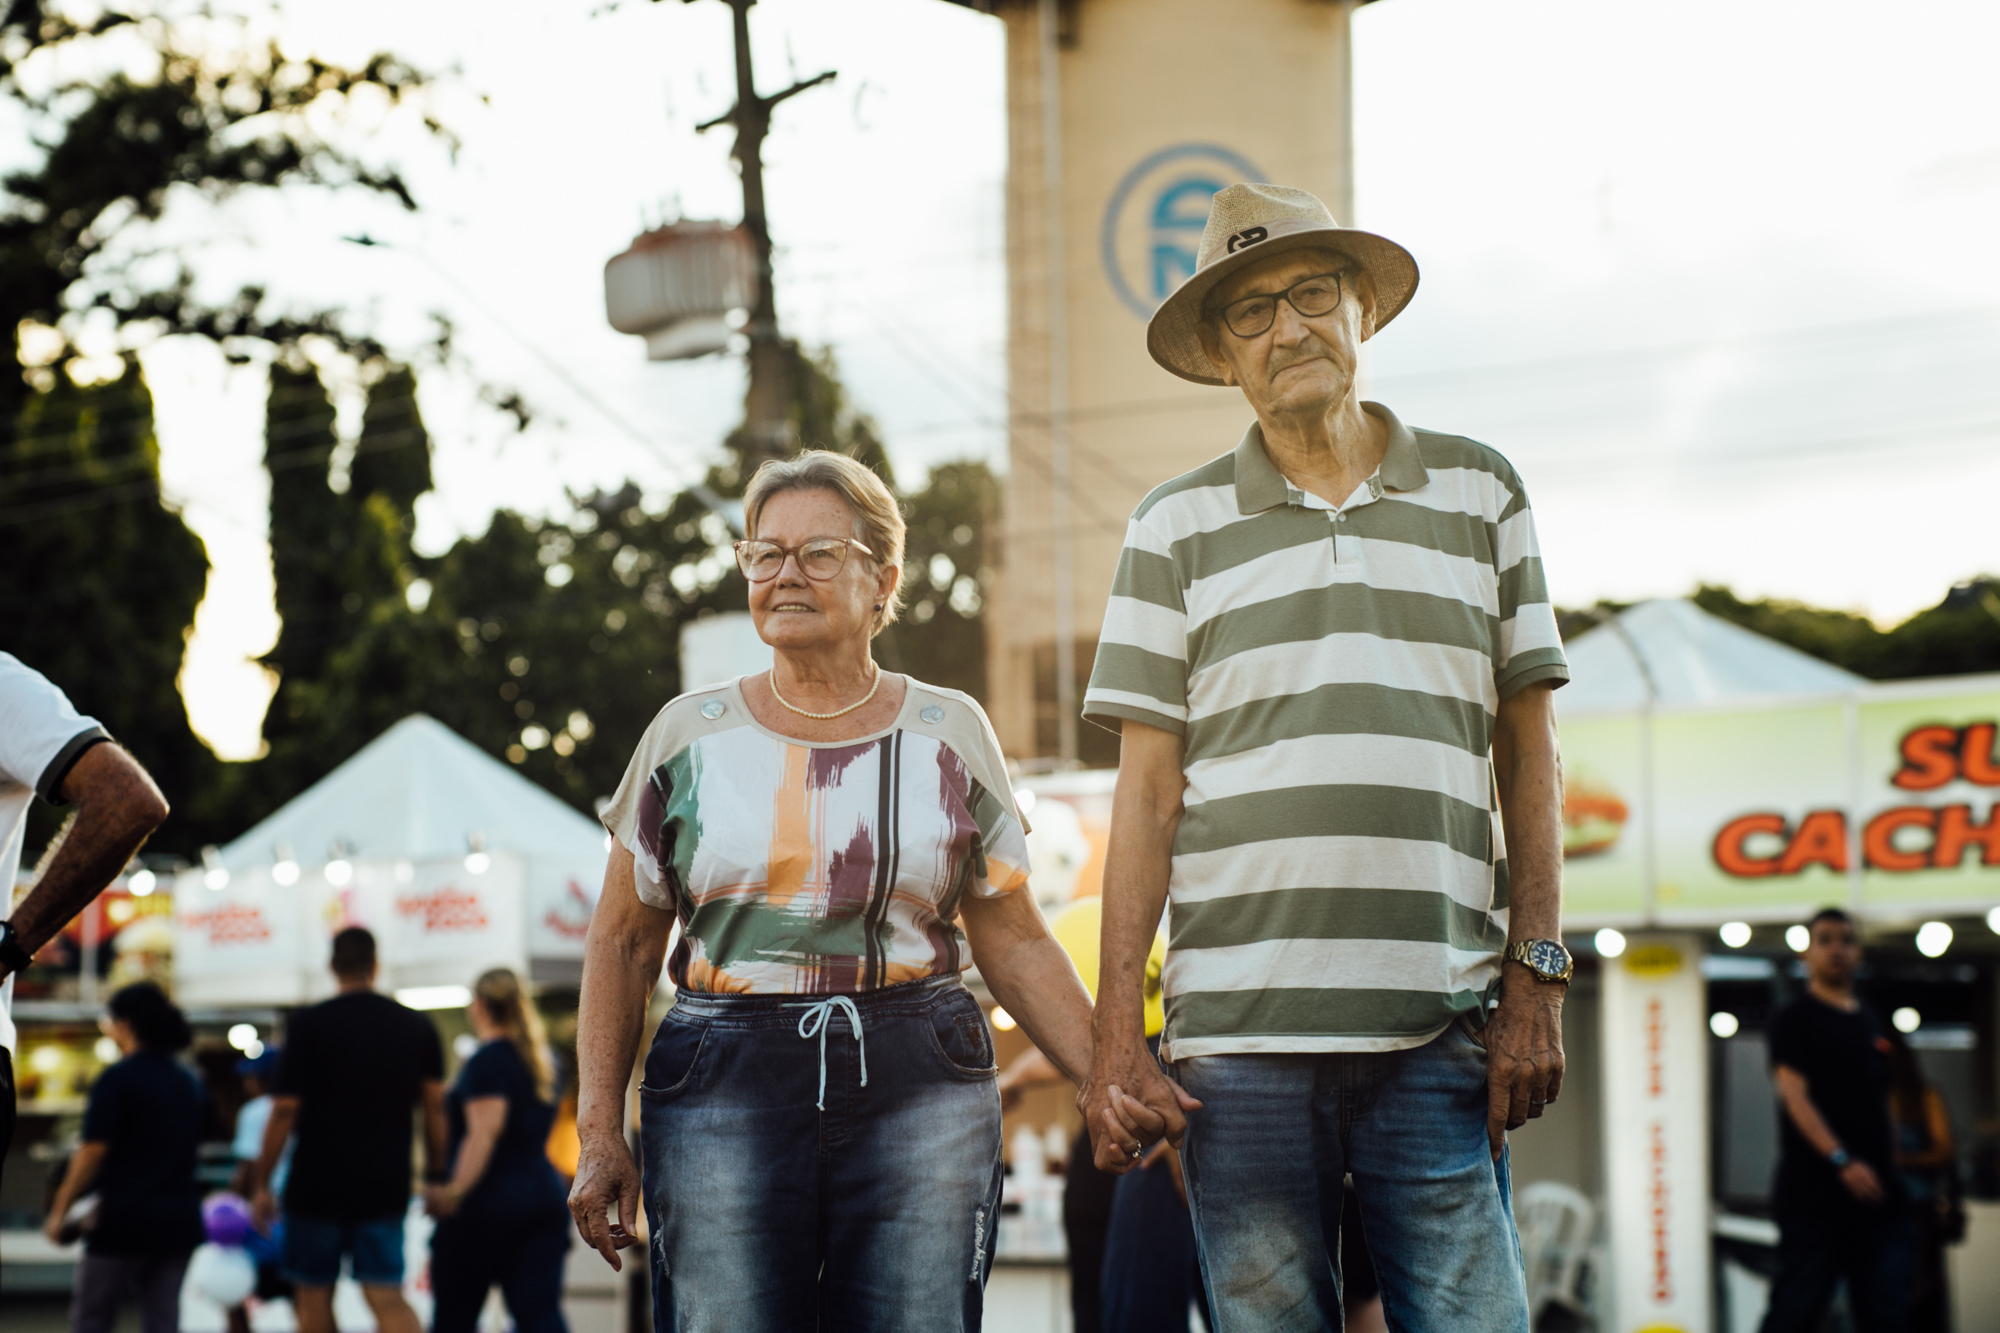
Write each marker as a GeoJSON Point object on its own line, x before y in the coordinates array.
{"type": "Point", "coordinates": [1264, 1159]}
{"type": "Point", "coordinates": [769, 1214]}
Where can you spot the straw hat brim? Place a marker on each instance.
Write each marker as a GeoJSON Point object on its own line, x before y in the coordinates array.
{"type": "Point", "coordinates": [1171, 335]}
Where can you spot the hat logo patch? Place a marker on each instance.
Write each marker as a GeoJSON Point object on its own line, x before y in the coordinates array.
{"type": "Point", "coordinates": [1246, 238]}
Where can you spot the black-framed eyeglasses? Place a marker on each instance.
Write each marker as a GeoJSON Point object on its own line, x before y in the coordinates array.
{"type": "Point", "coordinates": [820, 558]}
{"type": "Point", "coordinates": [1311, 297]}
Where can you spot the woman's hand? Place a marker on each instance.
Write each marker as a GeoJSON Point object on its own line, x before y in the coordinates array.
{"type": "Point", "coordinates": [605, 1198]}
{"type": "Point", "coordinates": [441, 1200]}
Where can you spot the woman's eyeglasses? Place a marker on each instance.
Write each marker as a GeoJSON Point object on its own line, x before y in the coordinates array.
{"type": "Point", "coordinates": [820, 559]}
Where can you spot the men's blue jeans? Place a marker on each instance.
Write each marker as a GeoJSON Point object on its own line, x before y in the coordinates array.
{"type": "Point", "coordinates": [769, 1214]}
{"type": "Point", "coordinates": [1264, 1159]}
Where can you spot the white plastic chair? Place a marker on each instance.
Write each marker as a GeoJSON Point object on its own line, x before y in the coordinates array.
{"type": "Point", "coordinates": [1558, 1225]}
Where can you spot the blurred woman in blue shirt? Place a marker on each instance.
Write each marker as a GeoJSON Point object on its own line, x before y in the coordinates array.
{"type": "Point", "coordinates": [503, 1218]}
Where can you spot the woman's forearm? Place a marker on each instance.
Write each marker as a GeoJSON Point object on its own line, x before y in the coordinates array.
{"type": "Point", "coordinates": [1031, 976]}
{"type": "Point", "coordinates": [621, 965]}
{"type": "Point", "coordinates": [82, 1170]}
{"type": "Point", "coordinates": [473, 1157]}
{"type": "Point", "coordinates": [1037, 983]}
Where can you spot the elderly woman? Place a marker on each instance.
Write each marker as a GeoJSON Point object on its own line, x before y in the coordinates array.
{"type": "Point", "coordinates": [819, 1110]}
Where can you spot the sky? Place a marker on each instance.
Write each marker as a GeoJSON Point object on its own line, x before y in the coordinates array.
{"type": "Point", "coordinates": [1716, 276]}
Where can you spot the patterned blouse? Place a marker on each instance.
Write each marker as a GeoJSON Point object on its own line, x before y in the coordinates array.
{"type": "Point", "coordinates": [817, 868]}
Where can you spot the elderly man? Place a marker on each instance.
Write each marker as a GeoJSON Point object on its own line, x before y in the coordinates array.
{"type": "Point", "coordinates": [1330, 654]}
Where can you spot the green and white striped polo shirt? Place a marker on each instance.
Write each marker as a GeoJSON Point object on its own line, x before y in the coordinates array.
{"type": "Point", "coordinates": [1339, 880]}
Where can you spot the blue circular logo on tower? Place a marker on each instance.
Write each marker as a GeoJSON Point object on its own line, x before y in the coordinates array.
{"type": "Point", "coordinates": [1152, 226]}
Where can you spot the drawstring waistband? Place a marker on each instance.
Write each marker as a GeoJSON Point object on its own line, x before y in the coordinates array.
{"type": "Point", "coordinates": [813, 1023]}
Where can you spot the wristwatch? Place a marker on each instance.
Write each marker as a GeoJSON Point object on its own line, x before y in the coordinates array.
{"type": "Point", "coordinates": [12, 956]}
{"type": "Point", "coordinates": [1547, 959]}
{"type": "Point", "coordinates": [1840, 1157]}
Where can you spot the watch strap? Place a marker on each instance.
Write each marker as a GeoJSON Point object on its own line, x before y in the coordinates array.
{"type": "Point", "coordinates": [12, 956]}
{"type": "Point", "coordinates": [1521, 953]}
{"type": "Point", "coordinates": [1840, 1157]}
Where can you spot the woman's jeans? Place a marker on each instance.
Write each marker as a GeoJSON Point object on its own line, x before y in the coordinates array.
{"type": "Point", "coordinates": [1264, 1158]}
{"type": "Point", "coordinates": [769, 1214]}
{"type": "Point", "coordinates": [523, 1257]}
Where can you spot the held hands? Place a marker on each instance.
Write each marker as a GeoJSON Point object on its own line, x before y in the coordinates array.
{"type": "Point", "coordinates": [605, 1198]}
{"type": "Point", "coordinates": [1524, 1054]}
{"type": "Point", "coordinates": [1128, 1103]}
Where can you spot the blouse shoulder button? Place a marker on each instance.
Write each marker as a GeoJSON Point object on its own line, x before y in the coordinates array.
{"type": "Point", "coordinates": [932, 713]}
{"type": "Point", "coordinates": [713, 709]}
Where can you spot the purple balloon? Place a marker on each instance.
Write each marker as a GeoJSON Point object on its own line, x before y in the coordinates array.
{"type": "Point", "coordinates": [227, 1218]}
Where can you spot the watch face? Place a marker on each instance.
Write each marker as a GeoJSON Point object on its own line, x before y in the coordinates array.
{"type": "Point", "coordinates": [1548, 958]}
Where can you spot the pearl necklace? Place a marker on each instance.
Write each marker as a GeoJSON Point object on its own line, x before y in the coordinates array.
{"type": "Point", "coordinates": [772, 676]}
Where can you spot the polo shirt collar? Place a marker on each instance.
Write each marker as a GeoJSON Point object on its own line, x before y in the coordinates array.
{"type": "Point", "coordinates": [1260, 486]}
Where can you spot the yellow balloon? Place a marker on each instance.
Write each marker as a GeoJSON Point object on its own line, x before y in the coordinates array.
{"type": "Point", "coordinates": [1077, 926]}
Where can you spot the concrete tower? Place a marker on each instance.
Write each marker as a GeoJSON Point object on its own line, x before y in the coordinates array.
{"type": "Point", "coordinates": [1124, 116]}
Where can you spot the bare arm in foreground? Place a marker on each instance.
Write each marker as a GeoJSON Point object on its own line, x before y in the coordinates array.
{"type": "Point", "coordinates": [1031, 976]}
{"type": "Point", "coordinates": [1126, 1101]}
{"type": "Point", "coordinates": [1524, 1053]}
{"type": "Point", "coordinates": [621, 966]}
{"type": "Point", "coordinates": [117, 809]}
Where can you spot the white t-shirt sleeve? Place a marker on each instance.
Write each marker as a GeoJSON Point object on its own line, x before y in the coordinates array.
{"type": "Point", "coordinates": [41, 733]}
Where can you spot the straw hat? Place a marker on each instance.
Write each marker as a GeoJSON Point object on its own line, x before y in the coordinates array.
{"type": "Point", "coordinates": [1248, 223]}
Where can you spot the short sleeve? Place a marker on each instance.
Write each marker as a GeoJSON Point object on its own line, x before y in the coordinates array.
{"type": "Point", "coordinates": [664, 757]}
{"type": "Point", "coordinates": [1141, 671]}
{"type": "Point", "coordinates": [1000, 852]}
{"type": "Point", "coordinates": [1530, 648]}
{"type": "Point", "coordinates": [486, 1073]}
{"type": "Point", "coordinates": [104, 1111]}
{"type": "Point", "coordinates": [41, 733]}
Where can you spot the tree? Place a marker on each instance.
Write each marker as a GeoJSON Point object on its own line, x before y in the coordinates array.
{"type": "Point", "coordinates": [102, 582]}
{"type": "Point", "coordinates": [135, 108]}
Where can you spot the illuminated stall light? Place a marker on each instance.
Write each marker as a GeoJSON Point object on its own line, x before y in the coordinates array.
{"type": "Point", "coordinates": [1002, 1020]}
{"type": "Point", "coordinates": [1735, 934]}
{"type": "Point", "coordinates": [434, 997]}
{"type": "Point", "coordinates": [1797, 938]}
{"type": "Point", "coordinates": [1906, 1019]}
{"type": "Point", "coordinates": [1723, 1024]}
{"type": "Point", "coordinates": [1610, 943]}
{"type": "Point", "coordinates": [1933, 938]}
{"type": "Point", "coordinates": [142, 883]}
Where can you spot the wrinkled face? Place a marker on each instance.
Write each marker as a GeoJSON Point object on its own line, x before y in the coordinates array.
{"type": "Point", "coordinates": [1834, 954]}
{"type": "Point", "coordinates": [1301, 364]}
{"type": "Point", "coordinates": [798, 614]}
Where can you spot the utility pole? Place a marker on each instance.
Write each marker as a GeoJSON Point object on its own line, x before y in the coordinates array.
{"type": "Point", "coordinates": [768, 405]}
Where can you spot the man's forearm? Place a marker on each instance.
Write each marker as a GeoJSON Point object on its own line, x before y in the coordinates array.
{"type": "Point", "coordinates": [1527, 768]}
{"type": "Point", "coordinates": [1146, 812]}
{"type": "Point", "coordinates": [117, 808]}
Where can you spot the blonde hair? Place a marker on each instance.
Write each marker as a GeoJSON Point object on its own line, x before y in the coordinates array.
{"type": "Point", "coordinates": [513, 1012]}
{"type": "Point", "coordinates": [878, 520]}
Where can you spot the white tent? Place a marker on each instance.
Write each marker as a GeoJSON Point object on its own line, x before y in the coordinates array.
{"type": "Point", "coordinates": [455, 861]}
{"type": "Point", "coordinates": [1691, 657]}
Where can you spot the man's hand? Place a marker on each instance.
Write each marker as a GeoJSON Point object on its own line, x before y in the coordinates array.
{"type": "Point", "coordinates": [606, 1180]}
{"type": "Point", "coordinates": [1861, 1181]}
{"type": "Point", "coordinates": [1128, 1103]}
{"type": "Point", "coordinates": [1524, 1053]}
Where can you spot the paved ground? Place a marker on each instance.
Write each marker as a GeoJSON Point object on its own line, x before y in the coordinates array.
{"type": "Point", "coordinates": [50, 1314]}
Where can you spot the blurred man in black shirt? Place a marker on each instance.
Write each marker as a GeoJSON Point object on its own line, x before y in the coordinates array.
{"type": "Point", "coordinates": [354, 1069]}
{"type": "Point", "coordinates": [1838, 1203]}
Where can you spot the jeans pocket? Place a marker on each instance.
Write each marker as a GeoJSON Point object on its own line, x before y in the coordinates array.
{"type": "Point", "coordinates": [958, 1031]}
{"type": "Point", "coordinates": [1473, 1034]}
{"type": "Point", "coordinates": [670, 1064]}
